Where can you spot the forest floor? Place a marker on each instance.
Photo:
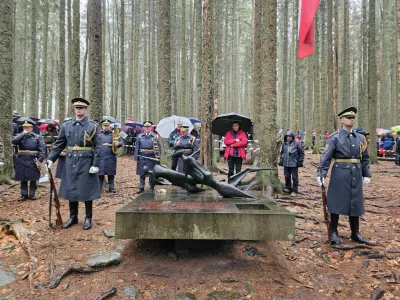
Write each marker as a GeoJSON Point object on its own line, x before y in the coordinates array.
{"type": "Point", "coordinates": [309, 268]}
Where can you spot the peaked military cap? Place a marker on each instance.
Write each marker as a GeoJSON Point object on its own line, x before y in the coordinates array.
{"type": "Point", "coordinates": [351, 111]}
{"type": "Point", "coordinates": [28, 123]}
{"type": "Point", "coordinates": [80, 102]}
{"type": "Point", "coordinates": [105, 122]}
{"type": "Point", "coordinates": [185, 128]}
{"type": "Point", "coordinates": [147, 124]}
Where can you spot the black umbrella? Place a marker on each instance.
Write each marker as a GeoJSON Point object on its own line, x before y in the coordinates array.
{"type": "Point", "coordinates": [223, 123]}
{"type": "Point", "coordinates": [46, 121]}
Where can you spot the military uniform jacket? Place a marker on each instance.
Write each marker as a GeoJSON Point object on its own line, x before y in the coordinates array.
{"type": "Point", "coordinates": [345, 196]}
{"type": "Point", "coordinates": [187, 144]}
{"type": "Point", "coordinates": [25, 166]}
{"type": "Point", "coordinates": [145, 146]}
{"type": "Point", "coordinates": [108, 161]}
{"type": "Point", "coordinates": [77, 184]}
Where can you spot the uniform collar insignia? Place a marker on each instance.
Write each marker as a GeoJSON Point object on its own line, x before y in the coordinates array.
{"type": "Point", "coordinates": [82, 121]}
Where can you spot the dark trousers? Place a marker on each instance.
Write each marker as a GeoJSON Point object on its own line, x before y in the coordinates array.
{"type": "Point", "coordinates": [129, 149]}
{"type": "Point", "coordinates": [291, 174]}
{"type": "Point", "coordinates": [234, 163]}
{"type": "Point", "coordinates": [174, 164]}
{"type": "Point", "coordinates": [397, 160]}
{"type": "Point", "coordinates": [110, 179]}
{"type": "Point", "coordinates": [142, 181]}
{"type": "Point", "coordinates": [32, 188]}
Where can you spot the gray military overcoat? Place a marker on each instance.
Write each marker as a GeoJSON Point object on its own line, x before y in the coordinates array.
{"type": "Point", "coordinates": [345, 195]}
{"type": "Point", "coordinates": [77, 184]}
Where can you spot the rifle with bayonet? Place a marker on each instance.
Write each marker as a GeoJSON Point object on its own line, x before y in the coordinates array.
{"type": "Point", "coordinates": [53, 193]}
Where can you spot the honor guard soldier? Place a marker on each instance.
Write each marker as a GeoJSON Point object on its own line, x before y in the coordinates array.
{"type": "Point", "coordinates": [148, 145]}
{"type": "Point", "coordinates": [185, 144]}
{"type": "Point", "coordinates": [108, 161]}
{"type": "Point", "coordinates": [348, 149]}
{"type": "Point", "coordinates": [79, 182]}
{"type": "Point", "coordinates": [30, 150]}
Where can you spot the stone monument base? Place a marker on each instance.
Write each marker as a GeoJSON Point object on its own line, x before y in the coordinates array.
{"type": "Point", "coordinates": [203, 216]}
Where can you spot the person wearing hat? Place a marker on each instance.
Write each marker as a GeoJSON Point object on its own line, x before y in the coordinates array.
{"type": "Point", "coordinates": [30, 149]}
{"type": "Point", "coordinates": [350, 170]}
{"type": "Point", "coordinates": [235, 141]}
{"type": "Point", "coordinates": [173, 136]}
{"type": "Point", "coordinates": [79, 182]}
{"type": "Point", "coordinates": [108, 161]}
{"type": "Point", "coordinates": [185, 144]}
{"type": "Point", "coordinates": [397, 161]}
{"type": "Point", "coordinates": [147, 144]}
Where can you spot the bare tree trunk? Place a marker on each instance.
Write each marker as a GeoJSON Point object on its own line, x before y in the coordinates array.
{"type": "Point", "coordinates": [33, 104]}
{"type": "Point", "coordinates": [6, 87]}
{"type": "Point", "coordinates": [372, 81]}
{"type": "Point", "coordinates": [95, 60]}
{"type": "Point", "coordinates": [60, 110]}
{"type": "Point", "coordinates": [207, 99]}
{"type": "Point", "coordinates": [44, 100]}
{"type": "Point", "coordinates": [165, 59]}
{"type": "Point", "coordinates": [122, 61]}
{"type": "Point", "coordinates": [75, 70]}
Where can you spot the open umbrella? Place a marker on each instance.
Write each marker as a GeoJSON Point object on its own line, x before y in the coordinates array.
{"type": "Point", "coordinates": [396, 128]}
{"type": "Point", "coordinates": [134, 124]}
{"type": "Point", "coordinates": [223, 123]}
{"type": "Point", "coordinates": [167, 125]}
{"type": "Point", "coordinates": [46, 121]}
{"type": "Point", "coordinates": [384, 131]}
{"type": "Point", "coordinates": [194, 120]}
{"type": "Point", "coordinates": [111, 119]}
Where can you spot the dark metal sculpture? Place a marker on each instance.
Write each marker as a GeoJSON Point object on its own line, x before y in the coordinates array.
{"type": "Point", "coordinates": [194, 174]}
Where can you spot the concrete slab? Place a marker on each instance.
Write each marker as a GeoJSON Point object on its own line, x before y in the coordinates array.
{"type": "Point", "coordinates": [203, 216]}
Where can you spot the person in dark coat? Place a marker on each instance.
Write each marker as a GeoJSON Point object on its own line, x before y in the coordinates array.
{"type": "Point", "coordinates": [147, 144]}
{"type": "Point", "coordinates": [187, 144]}
{"type": "Point", "coordinates": [30, 148]}
{"type": "Point", "coordinates": [351, 168]}
{"type": "Point", "coordinates": [173, 136]}
{"type": "Point", "coordinates": [129, 141]}
{"type": "Point", "coordinates": [79, 182]}
{"type": "Point", "coordinates": [108, 160]}
{"type": "Point", "coordinates": [397, 161]}
{"type": "Point", "coordinates": [291, 158]}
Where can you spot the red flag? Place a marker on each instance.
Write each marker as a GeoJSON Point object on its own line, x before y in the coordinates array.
{"type": "Point", "coordinates": [307, 11]}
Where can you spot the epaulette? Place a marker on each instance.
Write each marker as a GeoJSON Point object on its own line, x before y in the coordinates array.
{"type": "Point", "coordinates": [333, 134]}
{"type": "Point", "coordinates": [67, 120]}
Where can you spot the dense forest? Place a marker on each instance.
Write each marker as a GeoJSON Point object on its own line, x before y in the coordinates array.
{"type": "Point", "coordinates": [150, 59]}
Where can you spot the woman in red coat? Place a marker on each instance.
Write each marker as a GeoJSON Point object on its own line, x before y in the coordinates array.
{"type": "Point", "coordinates": [235, 141]}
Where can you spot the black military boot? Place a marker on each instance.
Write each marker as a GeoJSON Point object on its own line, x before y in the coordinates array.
{"type": "Point", "coordinates": [288, 185]}
{"type": "Point", "coordinates": [73, 215]}
{"type": "Point", "coordinates": [88, 219]}
{"type": "Point", "coordinates": [355, 230]}
{"type": "Point", "coordinates": [334, 232]}
{"type": "Point", "coordinates": [23, 198]}
{"type": "Point", "coordinates": [32, 197]}
{"type": "Point", "coordinates": [140, 190]}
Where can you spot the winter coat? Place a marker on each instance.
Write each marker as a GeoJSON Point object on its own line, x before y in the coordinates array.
{"type": "Point", "coordinates": [187, 144]}
{"type": "Point", "coordinates": [173, 136]}
{"type": "Point", "coordinates": [292, 153]}
{"type": "Point", "coordinates": [25, 166]}
{"type": "Point", "coordinates": [345, 196]}
{"type": "Point", "coordinates": [108, 160]}
{"type": "Point", "coordinates": [77, 184]}
{"type": "Point", "coordinates": [144, 146]}
{"type": "Point", "coordinates": [60, 166]}
{"type": "Point", "coordinates": [230, 142]}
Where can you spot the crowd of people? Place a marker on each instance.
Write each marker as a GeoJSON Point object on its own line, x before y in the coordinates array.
{"type": "Point", "coordinates": [86, 156]}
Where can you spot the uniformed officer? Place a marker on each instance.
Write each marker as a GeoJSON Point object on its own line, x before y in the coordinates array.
{"type": "Point", "coordinates": [351, 164]}
{"type": "Point", "coordinates": [30, 148]}
{"type": "Point", "coordinates": [79, 182]}
{"type": "Point", "coordinates": [147, 144]}
{"type": "Point", "coordinates": [108, 161]}
{"type": "Point", "coordinates": [187, 144]}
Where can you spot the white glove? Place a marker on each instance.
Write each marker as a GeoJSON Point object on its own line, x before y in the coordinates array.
{"type": "Point", "coordinates": [367, 180]}
{"type": "Point", "coordinates": [93, 170]}
{"type": "Point", "coordinates": [320, 180]}
{"type": "Point", "coordinates": [49, 163]}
